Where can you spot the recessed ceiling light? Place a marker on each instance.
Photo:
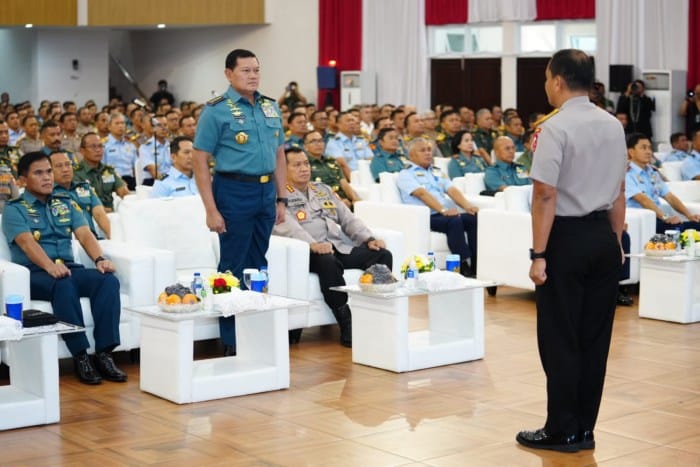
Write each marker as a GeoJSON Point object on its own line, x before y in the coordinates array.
{"type": "Point", "coordinates": [29, 25]}
{"type": "Point", "coordinates": [161, 26]}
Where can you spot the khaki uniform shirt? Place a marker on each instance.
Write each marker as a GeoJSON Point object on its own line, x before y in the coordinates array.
{"type": "Point", "coordinates": [321, 217]}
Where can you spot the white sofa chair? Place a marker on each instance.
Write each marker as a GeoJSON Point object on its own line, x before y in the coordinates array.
{"type": "Point", "coordinates": [134, 269]}
{"type": "Point", "coordinates": [505, 236]}
{"type": "Point", "coordinates": [363, 183]}
{"type": "Point", "coordinates": [471, 185]}
{"type": "Point", "coordinates": [672, 171]}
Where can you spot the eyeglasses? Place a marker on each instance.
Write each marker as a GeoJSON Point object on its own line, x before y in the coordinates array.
{"type": "Point", "coordinates": [314, 141]}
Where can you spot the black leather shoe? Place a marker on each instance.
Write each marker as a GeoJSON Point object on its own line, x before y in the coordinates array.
{"type": "Point", "coordinates": [84, 370]}
{"type": "Point", "coordinates": [344, 318]}
{"type": "Point", "coordinates": [623, 299]}
{"type": "Point", "coordinates": [586, 440]}
{"type": "Point", "coordinates": [109, 371]}
{"type": "Point", "coordinates": [229, 350]}
{"type": "Point", "coordinates": [540, 439]}
{"type": "Point", "coordinates": [295, 336]}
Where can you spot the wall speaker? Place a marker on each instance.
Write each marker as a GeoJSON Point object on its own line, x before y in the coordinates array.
{"type": "Point", "coordinates": [620, 77]}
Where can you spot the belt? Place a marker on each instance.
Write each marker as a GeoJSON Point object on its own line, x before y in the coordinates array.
{"type": "Point", "coordinates": [592, 216]}
{"type": "Point", "coordinates": [265, 178]}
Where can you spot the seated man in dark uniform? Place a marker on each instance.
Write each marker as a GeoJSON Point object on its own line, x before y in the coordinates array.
{"type": "Point", "coordinates": [337, 239]}
{"type": "Point", "coordinates": [39, 226]}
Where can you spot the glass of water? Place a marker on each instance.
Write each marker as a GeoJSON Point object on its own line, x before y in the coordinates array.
{"type": "Point", "coordinates": [248, 274]}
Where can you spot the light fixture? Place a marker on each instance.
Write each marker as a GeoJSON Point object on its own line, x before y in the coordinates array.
{"type": "Point", "coordinates": [161, 26]}
{"type": "Point", "coordinates": [29, 25]}
{"type": "Point", "coordinates": [331, 62]}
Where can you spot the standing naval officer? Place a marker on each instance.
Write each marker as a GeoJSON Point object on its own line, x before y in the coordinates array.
{"type": "Point", "coordinates": [578, 211]}
{"type": "Point", "coordinates": [242, 131]}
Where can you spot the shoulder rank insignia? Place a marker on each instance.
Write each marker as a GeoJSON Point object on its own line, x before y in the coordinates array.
{"type": "Point", "coordinates": [290, 188]}
{"type": "Point", "coordinates": [215, 100]}
{"type": "Point", "coordinates": [545, 118]}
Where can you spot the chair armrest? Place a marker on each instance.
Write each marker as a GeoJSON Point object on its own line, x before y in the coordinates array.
{"type": "Point", "coordinates": [394, 241]}
{"type": "Point", "coordinates": [14, 279]}
{"type": "Point", "coordinates": [297, 268]}
{"type": "Point", "coordinates": [134, 269]}
{"type": "Point", "coordinates": [412, 220]}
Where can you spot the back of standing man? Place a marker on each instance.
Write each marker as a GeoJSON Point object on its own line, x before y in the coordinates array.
{"type": "Point", "coordinates": [578, 211]}
{"type": "Point", "coordinates": [242, 131]}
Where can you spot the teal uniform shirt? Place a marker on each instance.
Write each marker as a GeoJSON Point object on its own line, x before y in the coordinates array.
{"type": "Point", "coordinates": [431, 179]}
{"type": "Point", "coordinates": [385, 162]}
{"type": "Point", "coordinates": [83, 194]}
{"type": "Point", "coordinates": [503, 173]}
{"type": "Point", "coordinates": [461, 164]}
{"type": "Point", "coordinates": [174, 184]}
{"type": "Point", "coordinates": [242, 137]}
{"type": "Point", "coordinates": [51, 223]}
{"type": "Point", "coordinates": [294, 142]}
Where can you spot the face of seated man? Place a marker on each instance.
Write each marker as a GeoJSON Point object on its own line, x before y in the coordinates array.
{"type": "Point", "coordinates": [298, 170]}
{"type": "Point", "coordinates": [641, 153]}
{"type": "Point", "coordinates": [421, 154]}
{"type": "Point", "coordinates": [504, 148]}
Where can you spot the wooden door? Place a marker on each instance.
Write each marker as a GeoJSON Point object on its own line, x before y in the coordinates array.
{"type": "Point", "coordinates": [474, 82]}
{"type": "Point", "coordinates": [530, 87]}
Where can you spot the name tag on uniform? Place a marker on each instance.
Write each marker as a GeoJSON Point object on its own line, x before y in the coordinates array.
{"type": "Point", "coordinates": [180, 188]}
{"type": "Point", "coordinates": [108, 178]}
{"type": "Point", "coordinates": [269, 111]}
{"type": "Point", "coordinates": [82, 192]}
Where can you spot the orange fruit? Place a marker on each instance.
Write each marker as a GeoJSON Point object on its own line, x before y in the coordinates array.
{"type": "Point", "coordinates": [659, 246]}
{"type": "Point", "coordinates": [670, 245]}
{"type": "Point", "coordinates": [366, 278]}
{"type": "Point", "coordinates": [649, 246]}
{"type": "Point", "coordinates": [173, 299]}
{"type": "Point", "coordinates": [189, 299]}
{"type": "Point", "coordinates": [162, 297]}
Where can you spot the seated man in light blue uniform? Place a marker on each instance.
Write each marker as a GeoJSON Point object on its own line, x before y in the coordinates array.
{"type": "Point", "coordinates": [679, 143]}
{"type": "Point", "coordinates": [690, 169]}
{"type": "Point", "coordinates": [424, 185]}
{"type": "Point", "coordinates": [155, 153]}
{"type": "Point", "coordinates": [179, 181]}
{"type": "Point", "coordinates": [345, 146]}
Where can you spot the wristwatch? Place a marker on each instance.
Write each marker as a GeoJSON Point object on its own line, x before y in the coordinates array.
{"type": "Point", "coordinates": [534, 255]}
{"type": "Point", "coordinates": [284, 201]}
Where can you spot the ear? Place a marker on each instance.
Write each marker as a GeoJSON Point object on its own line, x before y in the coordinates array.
{"type": "Point", "coordinates": [228, 72]}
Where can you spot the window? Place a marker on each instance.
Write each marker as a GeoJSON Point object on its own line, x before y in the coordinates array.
{"type": "Point", "coordinates": [579, 35]}
{"type": "Point", "coordinates": [448, 40]}
{"type": "Point", "coordinates": [538, 38]}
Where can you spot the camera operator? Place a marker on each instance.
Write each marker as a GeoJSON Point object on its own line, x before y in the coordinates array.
{"type": "Point", "coordinates": [690, 109]}
{"type": "Point", "coordinates": [638, 107]}
{"type": "Point", "coordinates": [292, 96]}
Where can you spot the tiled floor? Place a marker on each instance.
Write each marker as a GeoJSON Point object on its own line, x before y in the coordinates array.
{"type": "Point", "coordinates": [338, 413]}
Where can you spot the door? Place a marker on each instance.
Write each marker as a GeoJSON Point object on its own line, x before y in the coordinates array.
{"type": "Point", "coordinates": [474, 82]}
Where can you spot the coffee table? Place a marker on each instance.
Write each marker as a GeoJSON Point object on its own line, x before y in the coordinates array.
{"type": "Point", "coordinates": [32, 397]}
{"type": "Point", "coordinates": [380, 335]}
{"type": "Point", "coordinates": [168, 368]}
{"type": "Point", "coordinates": [669, 288]}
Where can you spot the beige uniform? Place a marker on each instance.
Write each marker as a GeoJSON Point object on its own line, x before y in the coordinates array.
{"type": "Point", "coordinates": [321, 217]}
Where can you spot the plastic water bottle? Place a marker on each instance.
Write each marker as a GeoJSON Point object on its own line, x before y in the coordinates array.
{"type": "Point", "coordinates": [207, 303]}
{"type": "Point", "coordinates": [412, 275]}
{"type": "Point", "coordinates": [264, 272]}
{"type": "Point", "coordinates": [197, 285]}
{"type": "Point", "coordinates": [431, 261]}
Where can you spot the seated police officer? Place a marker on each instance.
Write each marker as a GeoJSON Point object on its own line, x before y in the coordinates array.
{"type": "Point", "coordinates": [422, 184]}
{"type": "Point", "coordinates": [337, 239]}
{"type": "Point", "coordinates": [80, 191]}
{"type": "Point", "coordinates": [505, 172]}
{"type": "Point", "coordinates": [39, 226]}
{"type": "Point", "coordinates": [179, 181]}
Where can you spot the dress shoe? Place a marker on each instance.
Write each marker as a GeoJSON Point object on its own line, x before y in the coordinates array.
{"type": "Point", "coordinates": [229, 350]}
{"type": "Point", "coordinates": [344, 318]}
{"type": "Point", "coordinates": [540, 439]}
{"type": "Point", "coordinates": [84, 370]}
{"type": "Point", "coordinates": [109, 371]}
{"type": "Point", "coordinates": [623, 299]}
{"type": "Point", "coordinates": [586, 440]}
{"type": "Point", "coordinates": [295, 336]}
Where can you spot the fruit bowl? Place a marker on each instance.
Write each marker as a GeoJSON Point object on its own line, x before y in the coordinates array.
{"type": "Point", "coordinates": [379, 288]}
{"type": "Point", "coordinates": [650, 252]}
{"type": "Point", "coordinates": [180, 307]}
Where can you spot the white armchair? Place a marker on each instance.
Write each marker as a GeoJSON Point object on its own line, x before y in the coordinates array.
{"type": "Point", "coordinates": [672, 171]}
{"type": "Point", "coordinates": [505, 235]}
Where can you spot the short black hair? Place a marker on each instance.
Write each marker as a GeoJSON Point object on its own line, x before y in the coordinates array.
{"type": "Point", "coordinates": [575, 67]}
{"type": "Point", "coordinates": [634, 138]}
{"type": "Point", "coordinates": [383, 132]}
{"type": "Point", "coordinates": [395, 112]}
{"type": "Point", "coordinates": [294, 115]}
{"type": "Point", "coordinates": [183, 118]}
{"type": "Point", "coordinates": [234, 55]}
{"type": "Point", "coordinates": [405, 119]}
{"type": "Point", "coordinates": [175, 143]}
{"type": "Point", "coordinates": [28, 159]}
{"type": "Point", "coordinates": [446, 114]}
{"type": "Point", "coordinates": [27, 117]}
{"type": "Point", "coordinates": [65, 115]}
{"type": "Point", "coordinates": [89, 133]}
{"type": "Point", "coordinates": [292, 149]}
{"type": "Point", "coordinates": [49, 124]}
{"type": "Point", "coordinates": [676, 136]}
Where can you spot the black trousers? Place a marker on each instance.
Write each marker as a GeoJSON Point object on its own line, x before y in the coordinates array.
{"type": "Point", "coordinates": [662, 227]}
{"type": "Point", "coordinates": [575, 311]}
{"type": "Point", "coordinates": [455, 227]}
{"type": "Point", "coordinates": [330, 268]}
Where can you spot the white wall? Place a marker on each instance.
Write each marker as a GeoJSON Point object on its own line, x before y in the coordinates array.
{"type": "Point", "coordinates": [192, 60]}
{"type": "Point", "coordinates": [17, 53]}
{"type": "Point", "coordinates": [56, 49]}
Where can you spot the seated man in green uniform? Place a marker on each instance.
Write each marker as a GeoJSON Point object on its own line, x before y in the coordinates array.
{"type": "Point", "coordinates": [484, 135]}
{"type": "Point", "coordinates": [525, 158]}
{"type": "Point", "coordinates": [81, 192]}
{"type": "Point", "coordinates": [387, 157]}
{"type": "Point", "coordinates": [337, 239]}
{"type": "Point", "coordinates": [450, 124]}
{"type": "Point", "coordinates": [101, 177]}
{"type": "Point", "coordinates": [505, 172]}
{"type": "Point", "coordinates": [326, 169]}
{"type": "Point", "coordinates": [39, 228]}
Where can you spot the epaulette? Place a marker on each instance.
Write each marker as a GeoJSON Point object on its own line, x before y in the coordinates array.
{"type": "Point", "coordinates": [104, 140]}
{"type": "Point", "coordinates": [215, 100]}
{"type": "Point", "coordinates": [440, 137]}
{"type": "Point", "coordinates": [290, 188]}
{"type": "Point", "coordinates": [545, 118]}
{"type": "Point", "coordinates": [268, 98]}
{"type": "Point", "coordinates": [163, 177]}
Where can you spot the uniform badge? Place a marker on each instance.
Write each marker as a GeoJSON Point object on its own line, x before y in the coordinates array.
{"type": "Point", "coordinates": [37, 235]}
{"type": "Point", "coordinates": [328, 204]}
{"type": "Point", "coordinates": [241, 138]}
{"type": "Point", "coordinates": [301, 215]}
{"type": "Point", "coordinates": [533, 145]}
{"type": "Point", "coordinates": [318, 179]}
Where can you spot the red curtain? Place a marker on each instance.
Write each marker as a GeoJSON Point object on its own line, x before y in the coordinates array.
{"type": "Point", "coordinates": [565, 9]}
{"type": "Point", "coordinates": [693, 43]}
{"type": "Point", "coordinates": [439, 12]}
{"type": "Point", "coordinates": [339, 39]}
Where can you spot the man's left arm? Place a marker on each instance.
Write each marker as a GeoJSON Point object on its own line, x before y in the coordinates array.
{"type": "Point", "coordinates": [459, 199]}
{"type": "Point", "coordinates": [281, 183]}
{"type": "Point", "coordinates": [678, 205]}
{"type": "Point", "coordinates": [92, 248]}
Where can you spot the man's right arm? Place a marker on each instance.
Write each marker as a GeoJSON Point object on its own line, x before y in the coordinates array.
{"type": "Point", "coordinates": [38, 256]}
{"type": "Point", "coordinates": [215, 220]}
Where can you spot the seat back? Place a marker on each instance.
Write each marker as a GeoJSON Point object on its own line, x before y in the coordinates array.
{"type": "Point", "coordinates": [388, 188]}
{"type": "Point", "coordinates": [687, 191]}
{"type": "Point", "coordinates": [672, 171]}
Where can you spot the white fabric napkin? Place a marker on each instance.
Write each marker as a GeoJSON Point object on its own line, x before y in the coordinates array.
{"type": "Point", "coordinates": [442, 280]}
{"type": "Point", "coordinates": [10, 329]}
{"type": "Point", "coordinates": [237, 301]}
